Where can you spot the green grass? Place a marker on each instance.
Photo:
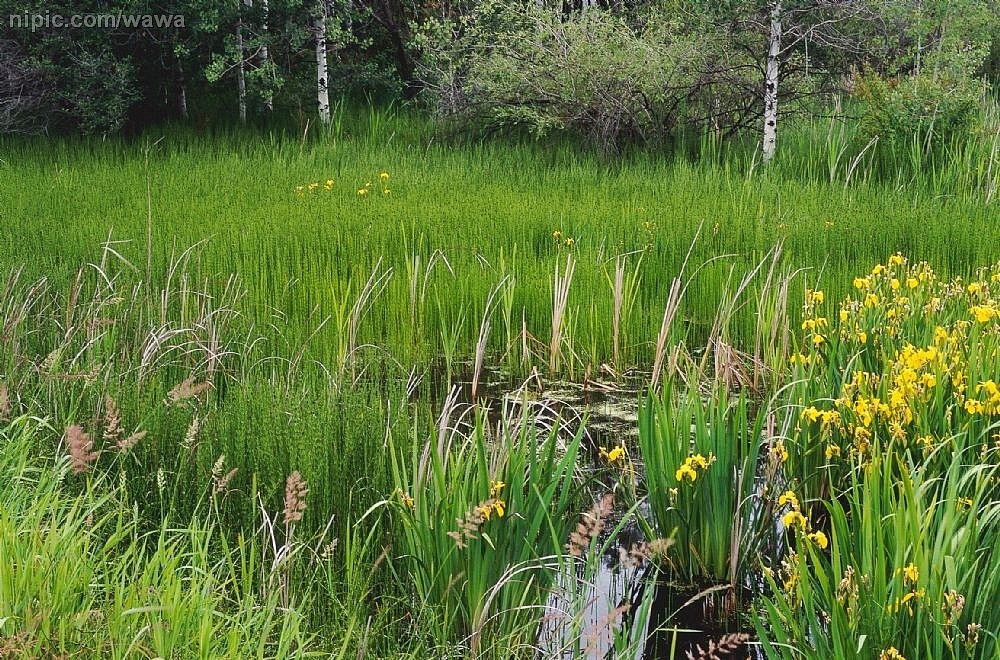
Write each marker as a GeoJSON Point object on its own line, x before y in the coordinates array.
{"type": "Point", "coordinates": [489, 209]}
{"type": "Point", "coordinates": [326, 327]}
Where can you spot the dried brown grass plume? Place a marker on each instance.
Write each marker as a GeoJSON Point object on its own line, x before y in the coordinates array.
{"type": "Point", "coordinates": [716, 649]}
{"type": "Point", "coordinates": [296, 490]}
{"type": "Point", "coordinates": [81, 449]}
{"type": "Point", "coordinates": [590, 525]}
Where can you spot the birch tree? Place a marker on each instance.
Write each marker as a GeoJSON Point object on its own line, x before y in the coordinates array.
{"type": "Point", "coordinates": [265, 56]}
{"type": "Point", "coordinates": [241, 76]}
{"type": "Point", "coordinates": [771, 84]}
{"type": "Point", "coordinates": [322, 71]}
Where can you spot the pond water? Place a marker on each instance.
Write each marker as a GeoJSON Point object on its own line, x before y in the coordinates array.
{"type": "Point", "coordinates": [683, 617]}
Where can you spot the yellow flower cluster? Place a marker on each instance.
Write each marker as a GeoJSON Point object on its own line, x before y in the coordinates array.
{"type": "Point", "coordinates": [494, 504]}
{"type": "Point", "coordinates": [383, 178]}
{"type": "Point", "coordinates": [562, 240]}
{"type": "Point", "coordinates": [987, 401]}
{"type": "Point", "coordinates": [314, 187]}
{"type": "Point", "coordinates": [917, 331]}
{"type": "Point", "coordinates": [794, 518]}
{"type": "Point", "coordinates": [617, 455]}
{"type": "Point", "coordinates": [891, 654]}
{"type": "Point", "coordinates": [911, 575]}
{"type": "Point", "coordinates": [689, 468]}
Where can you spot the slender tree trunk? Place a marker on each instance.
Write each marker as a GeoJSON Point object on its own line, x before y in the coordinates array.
{"type": "Point", "coordinates": [771, 84]}
{"type": "Point", "coordinates": [322, 81]}
{"type": "Point", "coordinates": [265, 57]}
{"type": "Point", "coordinates": [182, 97]}
{"type": "Point", "coordinates": [241, 79]}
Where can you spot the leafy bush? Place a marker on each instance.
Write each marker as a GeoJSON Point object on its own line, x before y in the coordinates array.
{"type": "Point", "coordinates": [600, 74]}
{"type": "Point", "coordinates": [931, 106]}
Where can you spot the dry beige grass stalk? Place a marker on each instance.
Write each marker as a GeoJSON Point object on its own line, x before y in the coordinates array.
{"type": "Point", "coordinates": [125, 445]}
{"type": "Point", "coordinates": [220, 480]}
{"type": "Point", "coordinates": [726, 645]}
{"type": "Point", "coordinates": [647, 551]}
{"type": "Point", "coordinates": [112, 420]}
{"type": "Point", "coordinates": [296, 490]}
{"type": "Point", "coordinates": [468, 527]}
{"type": "Point", "coordinates": [186, 389]}
{"type": "Point", "coordinates": [590, 526]}
{"type": "Point", "coordinates": [4, 402]}
{"type": "Point", "coordinates": [81, 449]}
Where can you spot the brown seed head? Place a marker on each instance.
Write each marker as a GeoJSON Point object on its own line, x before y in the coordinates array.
{"type": "Point", "coordinates": [80, 447]}
{"type": "Point", "coordinates": [296, 490]}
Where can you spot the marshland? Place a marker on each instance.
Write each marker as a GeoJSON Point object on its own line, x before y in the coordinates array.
{"type": "Point", "coordinates": [451, 373]}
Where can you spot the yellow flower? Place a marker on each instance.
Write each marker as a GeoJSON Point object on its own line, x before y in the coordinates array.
{"type": "Point", "coordinates": [831, 451]}
{"type": "Point", "coordinates": [779, 451]}
{"type": "Point", "coordinates": [878, 269]}
{"type": "Point", "coordinates": [570, 242]}
{"type": "Point", "coordinates": [499, 506]}
{"type": "Point", "coordinates": [819, 538]}
{"type": "Point", "coordinates": [891, 654]}
{"type": "Point", "coordinates": [817, 297]}
{"type": "Point", "coordinates": [818, 340]}
{"type": "Point", "coordinates": [616, 455]}
{"type": "Point", "coordinates": [788, 497]}
{"type": "Point", "coordinates": [871, 300]}
{"type": "Point", "coordinates": [496, 487]}
{"type": "Point", "coordinates": [863, 337]}
{"type": "Point", "coordinates": [983, 313]}
{"type": "Point", "coordinates": [897, 260]}
{"type": "Point", "coordinates": [844, 314]}
{"type": "Point", "coordinates": [912, 282]}
{"type": "Point", "coordinates": [386, 192]}
{"type": "Point", "coordinates": [911, 573]}
{"type": "Point", "coordinates": [685, 471]}
{"type": "Point", "coordinates": [313, 186]}
{"type": "Point", "coordinates": [362, 192]}
{"type": "Point", "coordinates": [894, 284]}
{"type": "Point", "coordinates": [699, 461]}
{"type": "Point", "coordinates": [407, 500]}
{"type": "Point", "coordinates": [329, 184]}
{"type": "Point", "coordinates": [861, 283]}
{"type": "Point", "coordinates": [384, 176]}
{"type": "Point", "coordinates": [793, 518]}
{"type": "Point", "coordinates": [974, 407]}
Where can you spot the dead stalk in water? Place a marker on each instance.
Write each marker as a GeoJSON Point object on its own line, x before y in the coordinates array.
{"type": "Point", "coordinates": [484, 334]}
{"type": "Point", "coordinates": [560, 297]}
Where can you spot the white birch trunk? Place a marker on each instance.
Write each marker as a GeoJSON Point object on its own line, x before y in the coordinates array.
{"type": "Point", "coordinates": [771, 84]}
{"type": "Point", "coordinates": [241, 79]}
{"type": "Point", "coordinates": [182, 96]}
{"type": "Point", "coordinates": [265, 57]}
{"type": "Point", "coordinates": [322, 83]}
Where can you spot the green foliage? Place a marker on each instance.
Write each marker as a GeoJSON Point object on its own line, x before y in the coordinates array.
{"type": "Point", "coordinates": [911, 566]}
{"type": "Point", "coordinates": [925, 109]}
{"type": "Point", "coordinates": [700, 458]}
{"type": "Point", "coordinates": [608, 76]}
{"type": "Point", "coordinates": [484, 520]}
{"type": "Point", "coordinates": [80, 577]}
